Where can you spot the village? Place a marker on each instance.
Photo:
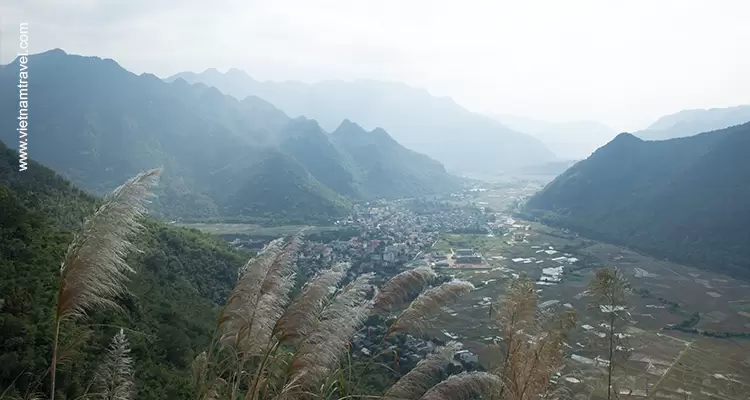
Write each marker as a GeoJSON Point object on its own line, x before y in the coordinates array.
{"type": "Point", "coordinates": [477, 236]}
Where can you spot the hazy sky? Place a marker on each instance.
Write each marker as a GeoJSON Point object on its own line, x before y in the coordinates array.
{"type": "Point", "coordinates": [624, 63]}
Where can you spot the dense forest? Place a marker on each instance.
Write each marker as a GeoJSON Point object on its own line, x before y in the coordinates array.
{"type": "Point", "coordinates": [182, 276]}
{"type": "Point", "coordinates": [681, 199]}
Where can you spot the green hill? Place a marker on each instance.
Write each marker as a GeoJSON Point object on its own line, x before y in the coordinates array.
{"type": "Point", "coordinates": [683, 199]}
{"type": "Point", "coordinates": [279, 186]}
{"type": "Point", "coordinates": [98, 124]}
{"type": "Point", "coordinates": [389, 169]}
{"type": "Point", "coordinates": [325, 160]}
{"type": "Point", "coordinates": [182, 277]}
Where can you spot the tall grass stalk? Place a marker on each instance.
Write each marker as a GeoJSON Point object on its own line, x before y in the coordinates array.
{"type": "Point", "coordinates": [94, 272]}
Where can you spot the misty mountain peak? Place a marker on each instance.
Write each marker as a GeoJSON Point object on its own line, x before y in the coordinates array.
{"type": "Point", "coordinates": [380, 132]}
{"type": "Point", "coordinates": [151, 77]}
{"type": "Point", "coordinates": [691, 122]}
{"type": "Point", "coordinates": [211, 72]}
{"type": "Point", "coordinates": [626, 136]}
{"type": "Point", "coordinates": [436, 126]}
{"type": "Point", "coordinates": [239, 74]}
{"type": "Point", "coordinates": [180, 81]}
{"type": "Point", "coordinates": [54, 52]}
{"type": "Point", "coordinates": [348, 127]}
{"type": "Point", "coordinates": [303, 121]}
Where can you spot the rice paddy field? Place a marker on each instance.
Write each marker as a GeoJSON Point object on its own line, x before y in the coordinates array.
{"type": "Point", "coordinates": [661, 363]}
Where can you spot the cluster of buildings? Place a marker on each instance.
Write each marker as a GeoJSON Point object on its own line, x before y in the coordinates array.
{"type": "Point", "coordinates": [467, 256]}
{"type": "Point", "coordinates": [388, 235]}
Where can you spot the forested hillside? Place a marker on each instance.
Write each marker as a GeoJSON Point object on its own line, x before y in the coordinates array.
{"type": "Point", "coordinates": [182, 276]}
{"type": "Point", "coordinates": [98, 124]}
{"type": "Point", "coordinates": [387, 168]}
{"type": "Point", "coordinates": [682, 199]}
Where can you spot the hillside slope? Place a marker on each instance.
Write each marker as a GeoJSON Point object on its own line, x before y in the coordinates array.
{"type": "Point", "coordinates": [690, 122]}
{"type": "Point", "coordinates": [683, 199]}
{"type": "Point", "coordinates": [463, 141]}
{"type": "Point", "coordinates": [388, 169]}
{"type": "Point", "coordinates": [98, 124]}
{"type": "Point", "coordinates": [182, 277]}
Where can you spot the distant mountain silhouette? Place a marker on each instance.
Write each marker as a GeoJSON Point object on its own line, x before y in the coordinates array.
{"type": "Point", "coordinates": [683, 199]}
{"type": "Point", "coordinates": [97, 124]}
{"type": "Point", "coordinates": [574, 140]}
{"type": "Point", "coordinates": [691, 122]}
{"type": "Point", "coordinates": [436, 126]}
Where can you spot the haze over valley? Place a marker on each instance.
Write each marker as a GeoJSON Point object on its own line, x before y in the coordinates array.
{"type": "Point", "coordinates": [423, 200]}
{"type": "Point", "coordinates": [435, 126]}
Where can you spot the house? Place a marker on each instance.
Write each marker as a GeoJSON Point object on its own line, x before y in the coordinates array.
{"type": "Point", "coordinates": [467, 256]}
{"type": "Point", "coordinates": [470, 259]}
{"type": "Point", "coordinates": [464, 252]}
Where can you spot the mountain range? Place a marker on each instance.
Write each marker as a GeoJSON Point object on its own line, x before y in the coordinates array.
{"type": "Point", "coordinates": [97, 124]}
{"type": "Point", "coordinates": [683, 199]}
{"type": "Point", "coordinates": [573, 140]}
{"type": "Point", "coordinates": [463, 141]}
{"type": "Point", "coordinates": [691, 122]}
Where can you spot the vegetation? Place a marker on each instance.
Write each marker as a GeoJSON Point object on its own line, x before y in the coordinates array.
{"type": "Point", "coordinates": [480, 243]}
{"type": "Point", "coordinates": [223, 159]}
{"type": "Point", "coordinates": [687, 212]}
{"type": "Point", "coordinates": [115, 379]}
{"type": "Point", "coordinates": [168, 316]}
{"type": "Point", "coordinates": [94, 271]}
{"type": "Point", "coordinates": [121, 324]}
{"type": "Point", "coordinates": [533, 343]}
{"type": "Point", "coordinates": [386, 168]}
{"type": "Point", "coordinates": [270, 341]}
{"type": "Point", "coordinates": [609, 299]}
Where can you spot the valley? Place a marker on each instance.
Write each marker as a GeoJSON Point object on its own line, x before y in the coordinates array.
{"type": "Point", "coordinates": [675, 293]}
{"type": "Point", "coordinates": [667, 296]}
{"type": "Point", "coordinates": [381, 200]}
{"type": "Point", "coordinates": [678, 312]}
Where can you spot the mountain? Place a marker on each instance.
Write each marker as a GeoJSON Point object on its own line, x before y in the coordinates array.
{"type": "Point", "coordinates": [574, 140]}
{"type": "Point", "coordinates": [387, 167]}
{"type": "Point", "coordinates": [224, 159]}
{"type": "Point", "coordinates": [436, 126]}
{"type": "Point", "coordinates": [182, 278]}
{"type": "Point", "coordinates": [683, 199]}
{"type": "Point", "coordinates": [690, 122]}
